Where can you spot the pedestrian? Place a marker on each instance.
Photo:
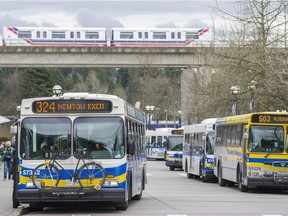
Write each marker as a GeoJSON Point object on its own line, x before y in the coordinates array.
{"type": "Point", "coordinates": [8, 153]}
{"type": "Point", "coordinates": [1, 153]}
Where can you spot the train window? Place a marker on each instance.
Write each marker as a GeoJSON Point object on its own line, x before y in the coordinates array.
{"type": "Point", "coordinates": [192, 35]}
{"type": "Point", "coordinates": [58, 34]}
{"type": "Point", "coordinates": [44, 34]}
{"type": "Point", "coordinates": [38, 34]}
{"type": "Point", "coordinates": [178, 35]}
{"type": "Point", "coordinates": [78, 34]}
{"type": "Point", "coordinates": [126, 35]}
{"type": "Point", "coordinates": [172, 35]}
{"type": "Point", "coordinates": [92, 35]}
{"type": "Point", "coordinates": [146, 35]}
{"type": "Point", "coordinates": [24, 34]}
{"type": "Point", "coordinates": [71, 34]}
{"type": "Point", "coordinates": [159, 35]}
{"type": "Point", "coordinates": [139, 35]}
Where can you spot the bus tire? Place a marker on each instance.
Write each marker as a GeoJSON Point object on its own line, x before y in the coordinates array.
{"type": "Point", "coordinates": [130, 187]}
{"type": "Point", "coordinates": [203, 177]}
{"type": "Point", "coordinates": [137, 196]}
{"type": "Point", "coordinates": [221, 181]}
{"type": "Point", "coordinates": [122, 205]}
{"type": "Point", "coordinates": [35, 207]}
{"type": "Point", "coordinates": [241, 187]}
{"type": "Point", "coordinates": [189, 175]}
{"type": "Point", "coordinates": [15, 202]}
{"type": "Point", "coordinates": [171, 168]}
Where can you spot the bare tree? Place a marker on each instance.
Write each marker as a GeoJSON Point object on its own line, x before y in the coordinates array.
{"type": "Point", "coordinates": [256, 50]}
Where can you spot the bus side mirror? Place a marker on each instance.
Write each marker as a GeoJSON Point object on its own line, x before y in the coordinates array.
{"type": "Point", "coordinates": [245, 135]}
{"type": "Point", "coordinates": [13, 129]}
{"type": "Point", "coordinates": [131, 147]}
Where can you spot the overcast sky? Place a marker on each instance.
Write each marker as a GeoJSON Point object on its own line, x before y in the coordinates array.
{"type": "Point", "coordinates": [108, 13]}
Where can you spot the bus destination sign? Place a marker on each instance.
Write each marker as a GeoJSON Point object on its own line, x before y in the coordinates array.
{"type": "Point", "coordinates": [71, 106]}
{"type": "Point", "coordinates": [272, 119]}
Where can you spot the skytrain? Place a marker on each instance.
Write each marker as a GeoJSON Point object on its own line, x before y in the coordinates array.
{"type": "Point", "coordinates": [142, 37]}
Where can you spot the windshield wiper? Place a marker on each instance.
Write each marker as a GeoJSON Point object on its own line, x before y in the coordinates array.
{"type": "Point", "coordinates": [267, 154]}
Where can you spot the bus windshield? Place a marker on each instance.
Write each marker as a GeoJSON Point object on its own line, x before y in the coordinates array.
{"type": "Point", "coordinates": [210, 143]}
{"type": "Point", "coordinates": [104, 137]}
{"type": "Point", "coordinates": [175, 143]}
{"type": "Point", "coordinates": [266, 139]}
{"type": "Point", "coordinates": [39, 134]}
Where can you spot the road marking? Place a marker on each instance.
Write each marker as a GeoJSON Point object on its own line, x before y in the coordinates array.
{"type": "Point", "coordinates": [148, 174]}
{"type": "Point", "coordinates": [182, 174]}
{"type": "Point", "coordinates": [271, 215]}
{"type": "Point", "coordinates": [176, 215]}
{"type": "Point", "coordinates": [81, 214]}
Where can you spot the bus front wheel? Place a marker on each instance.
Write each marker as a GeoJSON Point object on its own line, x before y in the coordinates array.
{"type": "Point", "coordinates": [122, 205]}
{"type": "Point", "coordinates": [241, 187]}
{"type": "Point", "coordinates": [221, 181]}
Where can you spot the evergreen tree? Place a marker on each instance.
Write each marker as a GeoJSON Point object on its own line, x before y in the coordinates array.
{"type": "Point", "coordinates": [39, 82]}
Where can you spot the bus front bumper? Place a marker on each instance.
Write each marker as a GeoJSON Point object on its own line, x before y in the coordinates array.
{"type": "Point", "coordinates": [175, 164]}
{"type": "Point", "coordinates": [29, 196]}
{"type": "Point", "coordinates": [272, 181]}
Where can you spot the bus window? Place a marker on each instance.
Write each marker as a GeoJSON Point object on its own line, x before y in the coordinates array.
{"type": "Point", "coordinates": [266, 139]}
{"type": "Point", "coordinates": [210, 143]}
{"type": "Point", "coordinates": [153, 141]}
{"type": "Point", "coordinates": [159, 141]}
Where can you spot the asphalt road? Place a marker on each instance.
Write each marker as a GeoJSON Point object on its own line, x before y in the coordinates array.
{"type": "Point", "coordinates": [170, 193]}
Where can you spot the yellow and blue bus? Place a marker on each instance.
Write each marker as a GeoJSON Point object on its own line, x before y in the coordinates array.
{"type": "Point", "coordinates": [198, 149]}
{"type": "Point", "coordinates": [74, 121]}
{"type": "Point", "coordinates": [174, 151]}
{"type": "Point", "coordinates": [251, 150]}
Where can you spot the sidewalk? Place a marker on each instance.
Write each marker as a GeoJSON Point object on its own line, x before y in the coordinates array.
{"type": "Point", "coordinates": [6, 188]}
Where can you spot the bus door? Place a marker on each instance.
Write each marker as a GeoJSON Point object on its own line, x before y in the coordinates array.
{"type": "Point", "coordinates": [203, 151]}
{"type": "Point", "coordinates": [153, 153]}
{"type": "Point", "coordinates": [137, 177]}
{"type": "Point", "coordinates": [244, 144]}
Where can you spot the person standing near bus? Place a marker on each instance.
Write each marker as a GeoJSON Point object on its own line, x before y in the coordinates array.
{"type": "Point", "coordinates": [8, 153]}
{"type": "Point", "coordinates": [1, 153]}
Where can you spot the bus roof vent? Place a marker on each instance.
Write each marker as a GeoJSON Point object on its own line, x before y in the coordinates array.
{"type": "Point", "coordinates": [75, 95]}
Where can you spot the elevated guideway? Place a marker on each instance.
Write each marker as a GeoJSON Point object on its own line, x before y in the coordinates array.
{"type": "Point", "coordinates": [83, 57]}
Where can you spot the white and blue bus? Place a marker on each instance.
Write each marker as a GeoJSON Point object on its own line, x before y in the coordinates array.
{"type": "Point", "coordinates": [74, 121]}
{"type": "Point", "coordinates": [198, 150]}
{"type": "Point", "coordinates": [156, 143]}
{"type": "Point", "coordinates": [174, 151]}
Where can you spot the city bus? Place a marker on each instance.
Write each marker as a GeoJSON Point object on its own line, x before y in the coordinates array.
{"type": "Point", "coordinates": [251, 150]}
{"type": "Point", "coordinates": [174, 149]}
{"type": "Point", "coordinates": [156, 143]}
{"type": "Point", "coordinates": [198, 149]}
{"type": "Point", "coordinates": [74, 121]}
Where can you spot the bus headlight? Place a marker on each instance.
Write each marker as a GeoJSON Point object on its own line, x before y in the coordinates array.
{"type": "Point", "coordinates": [29, 184]}
{"type": "Point", "coordinates": [267, 173]}
{"type": "Point", "coordinates": [111, 183]}
{"type": "Point", "coordinates": [210, 160]}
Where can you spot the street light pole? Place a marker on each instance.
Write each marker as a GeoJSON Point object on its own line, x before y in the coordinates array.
{"type": "Point", "coordinates": [179, 115]}
{"type": "Point", "coordinates": [235, 90]}
{"type": "Point", "coordinates": [252, 87]}
{"type": "Point", "coordinates": [166, 117]}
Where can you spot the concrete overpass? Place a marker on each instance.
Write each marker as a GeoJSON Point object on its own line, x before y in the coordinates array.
{"type": "Point", "coordinates": [112, 57]}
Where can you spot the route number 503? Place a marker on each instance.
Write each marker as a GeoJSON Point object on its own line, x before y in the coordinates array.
{"type": "Point", "coordinates": [264, 118]}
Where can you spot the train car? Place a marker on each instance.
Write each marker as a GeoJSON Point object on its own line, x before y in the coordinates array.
{"type": "Point", "coordinates": [171, 37]}
{"type": "Point", "coordinates": [54, 36]}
